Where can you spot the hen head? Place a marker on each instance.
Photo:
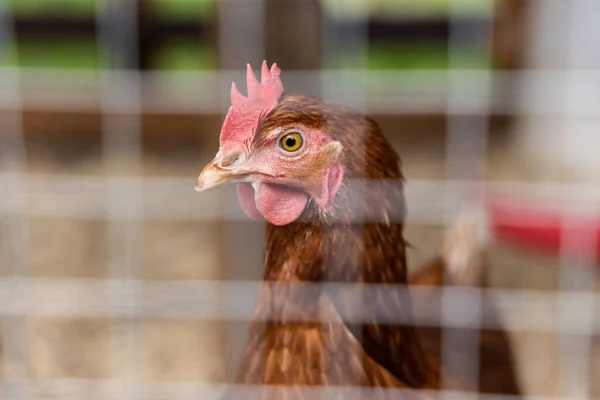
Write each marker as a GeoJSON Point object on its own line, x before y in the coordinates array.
{"type": "Point", "coordinates": [280, 151]}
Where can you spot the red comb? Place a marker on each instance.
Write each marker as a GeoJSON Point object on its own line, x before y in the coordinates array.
{"type": "Point", "coordinates": [244, 112]}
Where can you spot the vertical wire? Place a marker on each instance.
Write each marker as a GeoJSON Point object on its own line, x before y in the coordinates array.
{"type": "Point", "coordinates": [349, 32]}
{"type": "Point", "coordinates": [361, 42]}
{"type": "Point", "coordinates": [577, 275]}
{"type": "Point", "coordinates": [121, 137]}
{"type": "Point", "coordinates": [241, 30]}
{"type": "Point", "coordinates": [466, 153]}
{"type": "Point", "coordinates": [360, 39]}
{"type": "Point", "coordinates": [241, 33]}
{"type": "Point", "coordinates": [15, 333]}
{"type": "Point", "coordinates": [328, 29]}
{"type": "Point", "coordinates": [346, 84]}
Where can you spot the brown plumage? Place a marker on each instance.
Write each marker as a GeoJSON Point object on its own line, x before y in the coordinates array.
{"type": "Point", "coordinates": [336, 251]}
{"type": "Point", "coordinates": [358, 239]}
{"type": "Point", "coordinates": [462, 263]}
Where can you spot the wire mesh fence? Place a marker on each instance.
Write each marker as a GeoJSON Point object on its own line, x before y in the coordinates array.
{"type": "Point", "coordinates": [120, 310]}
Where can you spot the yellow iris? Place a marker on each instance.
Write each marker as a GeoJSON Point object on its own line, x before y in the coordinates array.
{"type": "Point", "coordinates": [291, 142]}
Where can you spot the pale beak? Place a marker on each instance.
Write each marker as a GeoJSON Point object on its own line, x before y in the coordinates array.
{"type": "Point", "coordinates": [213, 176]}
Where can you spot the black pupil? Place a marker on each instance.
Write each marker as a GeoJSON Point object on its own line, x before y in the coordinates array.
{"type": "Point", "coordinates": [290, 141]}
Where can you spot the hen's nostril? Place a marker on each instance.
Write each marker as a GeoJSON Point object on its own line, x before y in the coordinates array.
{"type": "Point", "coordinates": [230, 159]}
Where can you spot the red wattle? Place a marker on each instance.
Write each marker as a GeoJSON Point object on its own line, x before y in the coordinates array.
{"type": "Point", "coordinates": [280, 205]}
{"type": "Point", "coordinates": [245, 193]}
{"type": "Point", "coordinates": [277, 204]}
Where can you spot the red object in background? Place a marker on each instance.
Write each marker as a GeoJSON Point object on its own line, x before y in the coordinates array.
{"type": "Point", "coordinates": [530, 223]}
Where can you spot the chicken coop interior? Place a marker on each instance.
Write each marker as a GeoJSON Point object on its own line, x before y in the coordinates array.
{"type": "Point", "coordinates": [119, 281]}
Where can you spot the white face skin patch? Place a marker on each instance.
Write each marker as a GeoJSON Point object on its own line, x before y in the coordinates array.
{"type": "Point", "coordinates": [275, 132]}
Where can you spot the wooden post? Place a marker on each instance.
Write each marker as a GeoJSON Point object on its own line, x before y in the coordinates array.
{"type": "Point", "coordinates": [293, 33]}
{"type": "Point", "coordinates": [240, 27]}
{"type": "Point", "coordinates": [509, 29]}
{"type": "Point", "coordinates": [293, 39]}
{"type": "Point", "coordinates": [149, 37]}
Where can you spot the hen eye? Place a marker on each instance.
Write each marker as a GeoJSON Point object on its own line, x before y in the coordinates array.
{"type": "Point", "coordinates": [291, 142]}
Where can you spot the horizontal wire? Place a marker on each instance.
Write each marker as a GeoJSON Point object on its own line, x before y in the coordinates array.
{"type": "Point", "coordinates": [65, 389]}
{"type": "Point", "coordinates": [405, 92]}
{"type": "Point", "coordinates": [174, 198]}
{"type": "Point", "coordinates": [519, 310]}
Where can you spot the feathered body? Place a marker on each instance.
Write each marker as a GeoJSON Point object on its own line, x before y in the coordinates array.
{"type": "Point", "coordinates": [335, 207]}
{"type": "Point", "coordinates": [330, 247]}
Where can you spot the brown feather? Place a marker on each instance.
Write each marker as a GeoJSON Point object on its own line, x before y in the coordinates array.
{"type": "Point", "coordinates": [497, 366]}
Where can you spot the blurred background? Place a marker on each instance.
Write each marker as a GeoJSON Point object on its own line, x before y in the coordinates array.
{"type": "Point", "coordinates": [118, 281]}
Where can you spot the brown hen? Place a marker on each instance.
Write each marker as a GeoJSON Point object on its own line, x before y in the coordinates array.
{"type": "Point", "coordinates": [330, 185]}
